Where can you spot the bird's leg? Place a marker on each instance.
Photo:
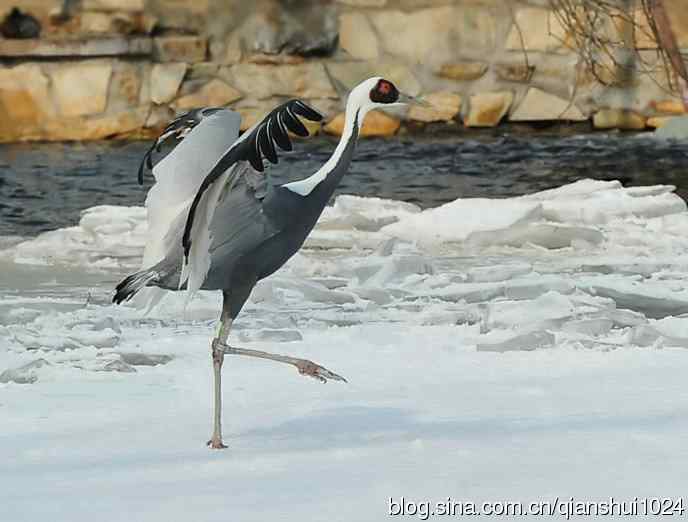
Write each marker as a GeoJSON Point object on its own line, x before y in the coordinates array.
{"type": "Point", "coordinates": [218, 355]}
{"type": "Point", "coordinates": [304, 366]}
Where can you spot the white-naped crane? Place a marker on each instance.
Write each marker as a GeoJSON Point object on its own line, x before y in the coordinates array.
{"type": "Point", "coordinates": [217, 223]}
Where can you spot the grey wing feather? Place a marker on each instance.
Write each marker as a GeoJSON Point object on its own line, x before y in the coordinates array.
{"type": "Point", "coordinates": [174, 133]}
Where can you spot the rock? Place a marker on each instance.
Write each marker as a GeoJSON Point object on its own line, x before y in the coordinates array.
{"type": "Point", "coordinates": [25, 101]}
{"type": "Point", "coordinates": [125, 86]}
{"type": "Point", "coordinates": [523, 342]}
{"type": "Point", "coordinates": [98, 22]}
{"type": "Point", "coordinates": [81, 88]}
{"type": "Point", "coordinates": [117, 366]}
{"type": "Point", "coordinates": [307, 80]}
{"type": "Point", "coordinates": [20, 25]}
{"type": "Point", "coordinates": [435, 33]}
{"type": "Point", "coordinates": [96, 128]}
{"type": "Point", "coordinates": [113, 5]}
{"type": "Point", "coordinates": [165, 81]}
{"type": "Point", "coordinates": [24, 374]}
{"type": "Point", "coordinates": [100, 47]}
{"type": "Point", "coordinates": [657, 122]}
{"type": "Point", "coordinates": [215, 93]}
{"type": "Point", "coordinates": [537, 29]}
{"type": "Point", "coordinates": [144, 359]}
{"type": "Point", "coordinates": [376, 123]}
{"type": "Point", "coordinates": [488, 109]}
{"type": "Point", "coordinates": [618, 119]}
{"type": "Point", "coordinates": [290, 28]}
{"type": "Point", "coordinates": [669, 107]}
{"type": "Point", "coordinates": [357, 36]}
{"type": "Point", "coordinates": [463, 71]}
{"type": "Point", "coordinates": [159, 117]}
{"type": "Point", "coordinates": [444, 106]}
{"type": "Point", "coordinates": [364, 3]}
{"type": "Point", "coordinates": [541, 106]}
{"type": "Point", "coordinates": [274, 59]}
{"type": "Point", "coordinates": [514, 72]}
{"type": "Point", "coordinates": [190, 49]}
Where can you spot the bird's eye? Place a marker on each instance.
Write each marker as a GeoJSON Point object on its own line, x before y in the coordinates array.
{"type": "Point", "coordinates": [384, 92]}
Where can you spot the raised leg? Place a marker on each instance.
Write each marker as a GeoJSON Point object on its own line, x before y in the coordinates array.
{"type": "Point", "coordinates": [218, 356]}
{"type": "Point", "coordinates": [304, 366]}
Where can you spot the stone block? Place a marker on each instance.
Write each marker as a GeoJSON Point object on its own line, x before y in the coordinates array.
{"type": "Point", "coordinates": [537, 29]}
{"type": "Point", "coordinates": [189, 49]}
{"type": "Point", "coordinates": [444, 106]}
{"type": "Point", "coordinates": [165, 80]}
{"type": "Point", "coordinates": [437, 32]}
{"type": "Point", "coordinates": [357, 36]}
{"type": "Point", "coordinates": [125, 86]}
{"type": "Point", "coordinates": [81, 87]}
{"type": "Point", "coordinates": [113, 5]}
{"type": "Point", "coordinates": [514, 72]}
{"type": "Point", "coordinates": [618, 119]}
{"type": "Point", "coordinates": [463, 71]}
{"type": "Point", "coordinates": [307, 80]}
{"type": "Point", "coordinates": [376, 123]}
{"type": "Point", "coordinates": [488, 109]}
{"type": "Point", "coordinates": [25, 102]}
{"type": "Point", "coordinates": [539, 105]}
{"type": "Point", "coordinates": [98, 127]}
{"type": "Point", "coordinates": [114, 46]}
{"type": "Point", "coordinates": [215, 93]}
{"type": "Point", "coordinates": [669, 107]}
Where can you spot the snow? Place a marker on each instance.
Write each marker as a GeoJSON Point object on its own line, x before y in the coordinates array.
{"type": "Point", "coordinates": [513, 349]}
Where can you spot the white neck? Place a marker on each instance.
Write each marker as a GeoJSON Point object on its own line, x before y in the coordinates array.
{"type": "Point", "coordinates": [353, 110]}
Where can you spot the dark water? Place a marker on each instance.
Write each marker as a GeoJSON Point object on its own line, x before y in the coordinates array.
{"type": "Point", "coordinates": [45, 186]}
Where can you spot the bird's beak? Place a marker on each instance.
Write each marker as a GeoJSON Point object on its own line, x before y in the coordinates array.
{"type": "Point", "coordinates": [407, 99]}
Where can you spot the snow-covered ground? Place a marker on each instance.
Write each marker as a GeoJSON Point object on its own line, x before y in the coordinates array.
{"type": "Point", "coordinates": [513, 349]}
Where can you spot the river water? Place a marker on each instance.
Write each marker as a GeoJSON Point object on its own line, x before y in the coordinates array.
{"type": "Point", "coordinates": [45, 186]}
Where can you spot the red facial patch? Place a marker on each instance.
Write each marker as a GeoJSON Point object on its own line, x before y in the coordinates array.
{"type": "Point", "coordinates": [384, 92]}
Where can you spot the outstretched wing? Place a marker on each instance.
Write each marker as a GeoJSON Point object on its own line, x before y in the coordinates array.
{"type": "Point", "coordinates": [175, 131]}
{"type": "Point", "coordinates": [252, 146]}
{"type": "Point", "coordinates": [244, 157]}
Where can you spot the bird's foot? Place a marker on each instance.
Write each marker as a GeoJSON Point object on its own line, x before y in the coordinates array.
{"type": "Point", "coordinates": [310, 369]}
{"type": "Point", "coordinates": [215, 443]}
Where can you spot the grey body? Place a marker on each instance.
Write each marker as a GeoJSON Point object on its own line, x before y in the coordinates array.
{"type": "Point", "coordinates": [256, 228]}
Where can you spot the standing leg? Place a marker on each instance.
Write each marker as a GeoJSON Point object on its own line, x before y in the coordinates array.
{"type": "Point", "coordinates": [218, 355]}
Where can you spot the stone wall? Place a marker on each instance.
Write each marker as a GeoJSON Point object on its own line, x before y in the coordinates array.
{"type": "Point", "coordinates": [123, 68]}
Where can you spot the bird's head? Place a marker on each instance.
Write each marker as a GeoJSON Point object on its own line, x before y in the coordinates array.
{"type": "Point", "coordinates": [377, 92]}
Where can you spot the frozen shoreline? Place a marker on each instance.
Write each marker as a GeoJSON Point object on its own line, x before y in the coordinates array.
{"type": "Point", "coordinates": [495, 349]}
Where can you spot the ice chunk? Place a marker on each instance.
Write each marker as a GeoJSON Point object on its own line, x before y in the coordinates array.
{"type": "Point", "coordinates": [652, 299]}
{"type": "Point", "coordinates": [547, 307]}
{"type": "Point", "coordinates": [271, 335]}
{"type": "Point", "coordinates": [116, 366]}
{"type": "Point", "coordinates": [459, 219]}
{"type": "Point", "coordinates": [107, 236]}
{"type": "Point", "coordinates": [547, 235]}
{"type": "Point", "coordinates": [494, 273]}
{"type": "Point", "coordinates": [591, 327]}
{"type": "Point", "coordinates": [520, 342]}
{"type": "Point", "coordinates": [25, 374]}
{"type": "Point", "coordinates": [144, 359]}
{"type": "Point", "coordinates": [361, 213]}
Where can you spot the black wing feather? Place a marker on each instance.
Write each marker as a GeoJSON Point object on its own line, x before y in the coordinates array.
{"type": "Point", "coordinates": [260, 142]}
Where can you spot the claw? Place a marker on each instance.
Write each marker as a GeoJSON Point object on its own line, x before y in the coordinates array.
{"type": "Point", "coordinates": [215, 444]}
{"type": "Point", "coordinates": [310, 369]}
